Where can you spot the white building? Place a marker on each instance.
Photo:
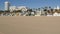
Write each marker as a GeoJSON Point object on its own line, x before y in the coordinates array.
{"type": "Point", "coordinates": [7, 5]}
{"type": "Point", "coordinates": [12, 8]}
{"type": "Point", "coordinates": [23, 8]}
{"type": "Point", "coordinates": [38, 13]}
{"type": "Point", "coordinates": [56, 7]}
{"type": "Point", "coordinates": [56, 14]}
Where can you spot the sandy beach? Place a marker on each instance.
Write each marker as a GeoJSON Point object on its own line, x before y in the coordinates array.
{"type": "Point", "coordinates": [29, 25]}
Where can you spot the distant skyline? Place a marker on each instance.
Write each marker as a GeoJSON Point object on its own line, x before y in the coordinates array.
{"type": "Point", "coordinates": [31, 3]}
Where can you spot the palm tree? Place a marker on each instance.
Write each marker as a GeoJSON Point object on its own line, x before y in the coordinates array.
{"type": "Point", "coordinates": [52, 11]}
{"type": "Point", "coordinates": [39, 9]}
{"type": "Point", "coordinates": [49, 7]}
{"type": "Point", "coordinates": [29, 12]}
{"type": "Point", "coordinates": [46, 9]}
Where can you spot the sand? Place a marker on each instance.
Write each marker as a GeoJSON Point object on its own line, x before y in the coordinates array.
{"type": "Point", "coordinates": [29, 25]}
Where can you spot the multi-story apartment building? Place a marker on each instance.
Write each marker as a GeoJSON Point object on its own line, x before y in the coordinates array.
{"type": "Point", "coordinates": [7, 5]}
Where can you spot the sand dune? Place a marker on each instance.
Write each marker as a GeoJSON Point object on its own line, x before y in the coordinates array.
{"type": "Point", "coordinates": [29, 25]}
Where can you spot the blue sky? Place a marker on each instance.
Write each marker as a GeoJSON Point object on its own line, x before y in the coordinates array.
{"type": "Point", "coordinates": [31, 3]}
